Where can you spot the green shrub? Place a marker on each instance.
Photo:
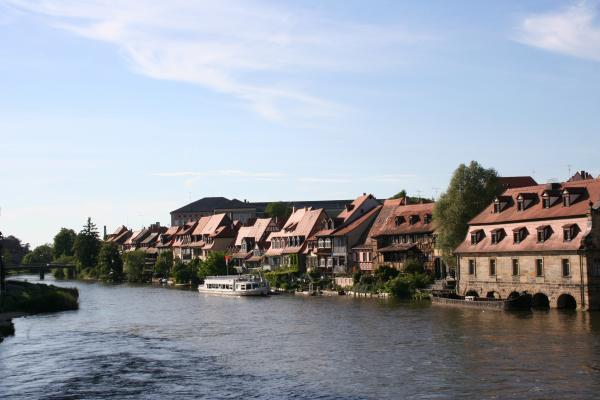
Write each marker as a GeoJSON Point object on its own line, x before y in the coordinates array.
{"type": "Point", "coordinates": [413, 267]}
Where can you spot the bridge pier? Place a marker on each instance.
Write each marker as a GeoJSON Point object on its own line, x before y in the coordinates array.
{"type": "Point", "coordinates": [42, 273]}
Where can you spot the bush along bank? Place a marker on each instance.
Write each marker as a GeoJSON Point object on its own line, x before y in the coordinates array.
{"type": "Point", "coordinates": [402, 285]}
{"type": "Point", "coordinates": [25, 298]}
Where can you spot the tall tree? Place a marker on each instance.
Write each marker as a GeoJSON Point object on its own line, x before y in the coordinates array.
{"type": "Point", "coordinates": [135, 262]}
{"type": "Point", "coordinates": [63, 243]}
{"type": "Point", "coordinates": [278, 209]}
{"type": "Point", "coordinates": [40, 255]}
{"type": "Point", "coordinates": [87, 245]}
{"type": "Point", "coordinates": [13, 250]}
{"type": "Point", "coordinates": [471, 189]}
{"type": "Point", "coordinates": [163, 265]}
{"type": "Point", "coordinates": [214, 264]}
{"type": "Point", "coordinates": [399, 195]}
{"type": "Point", "coordinates": [110, 263]}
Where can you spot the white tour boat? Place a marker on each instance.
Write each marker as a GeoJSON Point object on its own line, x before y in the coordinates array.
{"type": "Point", "coordinates": [235, 285]}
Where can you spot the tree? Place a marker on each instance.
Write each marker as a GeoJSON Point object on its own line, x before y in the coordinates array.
{"type": "Point", "coordinates": [63, 243]}
{"type": "Point", "coordinates": [135, 262]}
{"type": "Point", "coordinates": [110, 263]}
{"type": "Point", "coordinates": [40, 255]}
{"type": "Point", "coordinates": [399, 195]}
{"type": "Point", "coordinates": [13, 250]}
{"type": "Point", "coordinates": [182, 273]}
{"type": "Point", "coordinates": [279, 210]}
{"type": "Point", "coordinates": [86, 246]}
{"type": "Point", "coordinates": [163, 265]}
{"type": "Point", "coordinates": [471, 189]}
{"type": "Point", "coordinates": [213, 265]}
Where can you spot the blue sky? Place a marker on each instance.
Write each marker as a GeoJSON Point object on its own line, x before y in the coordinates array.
{"type": "Point", "coordinates": [123, 111]}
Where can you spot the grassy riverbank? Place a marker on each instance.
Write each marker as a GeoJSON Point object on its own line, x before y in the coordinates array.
{"type": "Point", "coordinates": [25, 298]}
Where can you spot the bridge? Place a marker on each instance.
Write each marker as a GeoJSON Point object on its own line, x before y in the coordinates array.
{"type": "Point", "coordinates": [41, 269]}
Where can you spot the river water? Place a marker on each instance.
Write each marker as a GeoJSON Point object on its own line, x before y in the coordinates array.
{"type": "Point", "coordinates": [149, 342]}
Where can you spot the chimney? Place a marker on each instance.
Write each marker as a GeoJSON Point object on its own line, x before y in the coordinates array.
{"type": "Point", "coordinates": [105, 232]}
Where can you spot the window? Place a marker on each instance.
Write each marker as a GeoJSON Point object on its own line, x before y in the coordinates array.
{"type": "Point", "coordinates": [543, 233]}
{"type": "Point", "coordinates": [515, 266]}
{"type": "Point", "coordinates": [539, 267]}
{"type": "Point", "coordinates": [493, 267]}
{"type": "Point", "coordinates": [566, 200]}
{"type": "Point", "coordinates": [497, 207]}
{"type": "Point", "coordinates": [566, 267]}
{"type": "Point", "coordinates": [546, 202]}
{"type": "Point", "coordinates": [496, 236]}
{"type": "Point", "coordinates": [427, 218]}
{"type": "Point", "coordinates": [471, 267]}
{"type": "Point", "coordinates": [520, 204]}
{"type": "Point", "coordinates": [476, 236]}
{"type": "Point", "coordinates": [518, 235]}
{"type": "Point", "coordinates": [399, 220]}
{"type": "Point", "coordinates": [567, 236]}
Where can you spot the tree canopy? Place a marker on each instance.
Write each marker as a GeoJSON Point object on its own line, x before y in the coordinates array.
{"type": "Point", "coordinates": [278, 209]}
{"type": "Point", "coordinates": [471, 189]}
{"type": "Point", "coordinates": [13, 250]}
{"type": "Point", "coordinates": [63, 242]}
{"type": "Point", "coordinates": [40, 255]}
{"type": "Point", "coordinates": [135, 261]}
{"type": "Point", "coordinates": [163, 265]}
{"type": "Point", "coordinates": [213, 265]}
{"type": "Point", "coordinates": [87, 245]}
{"type": "Point", "coordinates": [110, 263]}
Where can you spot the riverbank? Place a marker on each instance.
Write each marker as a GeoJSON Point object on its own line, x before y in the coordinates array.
{"type": "Point", "coordinates": [25, 298]}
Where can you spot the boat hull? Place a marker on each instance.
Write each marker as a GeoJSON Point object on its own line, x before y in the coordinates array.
{"type": "Point", "coordinates": [235, 293]}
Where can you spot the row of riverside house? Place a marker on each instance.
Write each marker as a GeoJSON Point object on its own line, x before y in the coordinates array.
{"type": "Point", "coordinates": [544, 239]}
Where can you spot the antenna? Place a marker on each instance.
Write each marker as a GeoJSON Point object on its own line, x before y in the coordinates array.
{"type": "Point", "coordinates": [569, 166]}
{"type": "Point", "coordinates": [419, 194]}
{"type": "Point", "coordinates": [436, 190]}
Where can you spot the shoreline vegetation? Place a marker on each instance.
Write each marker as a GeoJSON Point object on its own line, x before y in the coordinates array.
{"type": "Point", "coordinates": [25, 298]}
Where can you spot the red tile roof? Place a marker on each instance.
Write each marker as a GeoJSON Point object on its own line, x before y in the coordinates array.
{"type": "Point", "coordinates": [344, 230]}
{"type": "Point", "coordinates": [535, 211]}
{"type": "Point", "coordinates": [393, 210]}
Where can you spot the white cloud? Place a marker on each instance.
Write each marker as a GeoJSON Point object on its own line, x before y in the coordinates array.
{"type": "Point", "coordinates": [574, 31]}
{"type": "Point", "coordinates": [252, 50]}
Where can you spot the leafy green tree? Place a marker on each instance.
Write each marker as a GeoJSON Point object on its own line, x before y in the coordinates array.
{"type": "Point", "coordinates": [385, 273]}
{"type": "Point", "coordinates": [413, 266]}
{"type": "Point", "coordinates": [13, 250]}
{"type": "Point", "coordinates": [87, 246]}
{"type": "Point", "coordinates": [63, 243]}
{"type": "Point", "coordinates": [110, 263]}
{"type": "Point", "coordinates": [213, 265]}
{"type": "Point", "coordinates": [399, 195]}
{"type": "Point", "coordinates": [279, 210]}
{"type": "Point", "coordinates": [181, 272]}
{"type": "Point", "coordinates": [163, 265]}
{"type": "Point", "coordinates": [40, 255]}
{"type": "Point", "coordinates": [471, 189]}
{"type": "Point", "coordinates": [135, 262]}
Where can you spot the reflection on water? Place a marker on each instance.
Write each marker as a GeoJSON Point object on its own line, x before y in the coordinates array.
{"type": "Point", "coordinates": [144, 342]}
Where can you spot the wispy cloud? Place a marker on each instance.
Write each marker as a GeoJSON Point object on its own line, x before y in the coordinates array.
{"type": "Point", "coordinates": [256, 51]}
{"type": "Point", "coordinates": [192, 177]}
{"type": "Point", "coordinates": [573, 30]}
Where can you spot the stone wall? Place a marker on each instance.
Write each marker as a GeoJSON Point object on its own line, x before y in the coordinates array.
{"type": "Point", "coordinates": [552, 283]}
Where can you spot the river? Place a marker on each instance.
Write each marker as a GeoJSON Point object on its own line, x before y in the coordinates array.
{"type": "Point", "coordinates": [148, 342]}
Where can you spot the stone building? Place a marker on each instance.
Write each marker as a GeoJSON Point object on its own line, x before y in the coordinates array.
{"type": "Point", "coordinates": [543, 239]}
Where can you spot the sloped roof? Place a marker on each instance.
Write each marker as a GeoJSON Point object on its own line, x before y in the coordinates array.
{"type": "Point", "coordinates": [508, 182]}
{"type": "Point", "coordinates": [590, 190]}
{"type": "Point", "coordinates": [357, 222]}
{"type": "Point", "coordinates": [213, 223]}
{"type": "Point", "coordinates": [354, 207]}
{"type": "Point", "coordinates": [255, 231]}
{"type": "Point", "coordinates": [201, 224]}
{"type": "Point", "coordinates": [208, 204]}
{"type": "Point", "coordinates": [385, 223]}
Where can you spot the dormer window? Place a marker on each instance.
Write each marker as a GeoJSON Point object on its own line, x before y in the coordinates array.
{"type": "Point", "coordinates": [546, 201]}
{"type": "Point", "coordinates": [570, 195]}
{"type": "Point", "coordinates": [413, 219]}
{"type": "Point", "coordinates": [399, 220]}
{"type": "Point", "coordinates": [497, 235]}
{"type": "Point", "coordinates": [476, 236]}
{"type": "Point", "coordinates": [427, 218]}
{"type": "Point", "coordinates": [520, 204]}
{"type": "Point", "coordinates": [519, 234]}
{"type": "Point", "coordinates": [500, 203]}
{"type": "Point", "coordinates": [569, 232]}
{"type": "Point", "coordinates": [543, 233]}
